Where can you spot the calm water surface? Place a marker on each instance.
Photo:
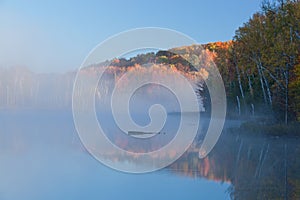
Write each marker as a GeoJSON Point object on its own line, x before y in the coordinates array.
{"type": "Point", "coordinates": [41, 157]}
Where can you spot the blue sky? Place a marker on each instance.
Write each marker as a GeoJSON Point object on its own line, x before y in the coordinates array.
{"type": "Point", "coordinates": [54, 36]}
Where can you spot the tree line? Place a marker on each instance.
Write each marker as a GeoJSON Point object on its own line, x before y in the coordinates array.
{"type": "Point", "coordinates": [260, 67]}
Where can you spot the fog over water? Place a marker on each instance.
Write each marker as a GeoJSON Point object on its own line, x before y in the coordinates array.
{"type": "Point", "coordinates": [42, 157]}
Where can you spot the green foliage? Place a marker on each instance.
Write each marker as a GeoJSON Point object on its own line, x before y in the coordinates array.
{"type": "Point", "coordinates": [265, 53]}
{"type": "Point", "coordinates": [162, 59]}
{"type": "Point", "coordinates": [295, 91]}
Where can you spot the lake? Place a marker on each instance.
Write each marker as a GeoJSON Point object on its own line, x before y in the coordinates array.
{"type": "Point", "coordinates": [41, 157]}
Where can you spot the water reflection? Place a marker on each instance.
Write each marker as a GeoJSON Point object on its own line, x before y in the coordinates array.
{"type": "Point", "coordinates": [256, 167]}
{"type": "Point", "coordinates": [41, 157]}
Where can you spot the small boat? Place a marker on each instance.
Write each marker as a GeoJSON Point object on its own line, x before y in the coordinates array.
{"type": "Point", "coordinates": [142, 133]}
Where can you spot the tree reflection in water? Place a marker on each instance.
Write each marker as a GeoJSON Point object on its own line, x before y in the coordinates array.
{"type": "Point", "coordinates": [257, 167]}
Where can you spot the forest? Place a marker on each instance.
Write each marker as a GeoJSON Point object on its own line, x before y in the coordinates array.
{"type": "Point", "coordinates": [264, 56]}
{"type": "Point", "coordinates": [260, 66]}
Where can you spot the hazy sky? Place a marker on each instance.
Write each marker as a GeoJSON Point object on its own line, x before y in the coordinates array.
{"type": "Point", "coordinates": [55, 36]}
